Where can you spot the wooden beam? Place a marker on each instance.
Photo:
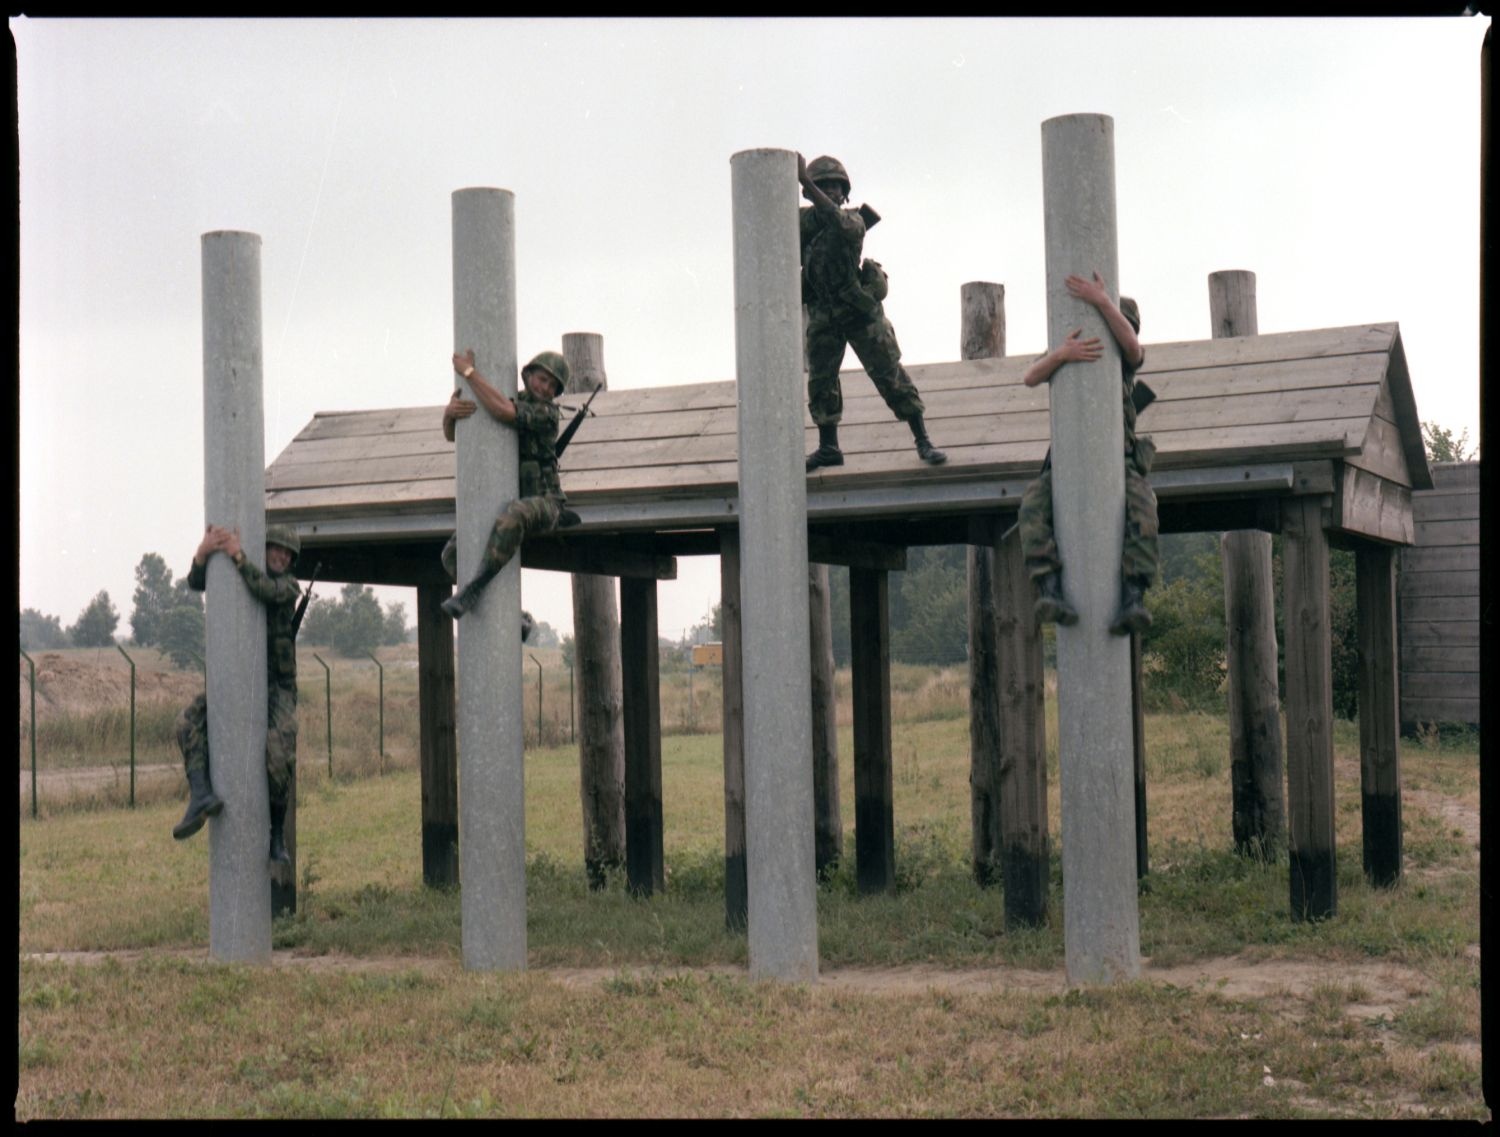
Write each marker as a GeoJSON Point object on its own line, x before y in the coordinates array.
{"type": "Point", "coordinates": [437, 715]}
{"type": "Point", "coordinates": [1218, 515]}
{"type": "Point", "coordinates": [408, 565]}
{"type": "Point", "coordinates": [1309, 710]}
{"type": "Point", "coordinates": [870, 659]}
{"type": "Point", "coordinates": [639, 659]}
{"type": "Point", "coordinates": [1379, 713]}
{"type": "Point", "coordinates": [736, 882]}
{"type": "Point", "coordinates": [830, 550]}
{"type": "Point", "coordinates": [1373, 507]}
{"type": "Point", "coordinates": [595, 558]}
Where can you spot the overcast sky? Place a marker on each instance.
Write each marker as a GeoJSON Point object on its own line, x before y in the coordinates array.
{"type": "Point", "coordinates": [1337, 159]}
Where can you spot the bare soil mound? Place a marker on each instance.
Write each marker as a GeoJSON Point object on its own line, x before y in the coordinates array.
{"type": "Point", "coordinates": [83, 681]}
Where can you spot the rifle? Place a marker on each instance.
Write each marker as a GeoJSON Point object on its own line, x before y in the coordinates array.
{"type": "Point", "coordinates": [306, 599]}
{"type": "Point", "coordinates": [572, 428]}
{"type": "Point", "coordinates": [871, 218]}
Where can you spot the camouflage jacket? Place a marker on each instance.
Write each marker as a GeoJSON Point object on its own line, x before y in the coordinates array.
{"type": "Point", "coordinates": [831, 248]}
{"type": "Point", "coordinates": [536, 433]}
{"type": "Point", "coordinates": [278, 592]}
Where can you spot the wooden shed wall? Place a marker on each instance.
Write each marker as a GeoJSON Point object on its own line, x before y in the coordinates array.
{"type": "Point", "coordinates": [1439, 600]}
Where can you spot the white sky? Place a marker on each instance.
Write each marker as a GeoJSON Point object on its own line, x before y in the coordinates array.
{"type": "Point", "coordinates": [1337, 159]}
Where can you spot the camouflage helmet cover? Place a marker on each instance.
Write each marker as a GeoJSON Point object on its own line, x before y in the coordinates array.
{"type": "Point", "coordinates": [826, 169]}
{"type": "Point", "coordinates": [552, 363]}
{"type": "Point", "coordinates": [1131, 311]}
{"type": "Point", "coordinates": [285, 536]}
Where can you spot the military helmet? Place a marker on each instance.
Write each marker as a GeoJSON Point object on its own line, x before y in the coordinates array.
{"type": "Point", "coordinates": [1131, 311]}
{"type": "Point", "coordinates": [285, 536]}
{"type": "Point", "coordinates": [552, 363]}
{"type": "Point", "coordinates": [826, 169]}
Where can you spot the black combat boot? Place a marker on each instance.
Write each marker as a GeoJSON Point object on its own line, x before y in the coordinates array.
{"type": "Point", "coordinates": [1052, 606]}
{"type": "Point", "coordinates": [468, 596]}
{"type": "Point", "coordinates": [925, 449]}
{"type": "Point", "coordinates": [1133, 616]}
{"type": "Point", "coordinates": [828, 452]}
{"type": "Point", "coordinates": [202, 804]}
{"type": "Point", "coordinates": [279, 855]}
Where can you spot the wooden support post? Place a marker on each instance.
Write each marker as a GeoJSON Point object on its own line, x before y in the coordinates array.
{"type": "Point", "coordinates": [1022, 740]}
{"type": "Point", "coordinates": [1379, 713]}
{"type": "Point", "coordinates": [982, 336]}
{"type": "Point", "coordinates": [736, 888]}
{"type": "Point", "coordinates": [437, 715]}
{"type": "Point", "coordinates": [870, 652]}
{"type": "Point", "coordinates": [828, 828]}
{"type": "Point", "coordinates": [644, 867]}
{"type": "Point", "coordinates": [596, 650]}
{"type": "Point", "coordinates": [1255, 746]}
{"type": "Point", "coordinates": [1309, 709]}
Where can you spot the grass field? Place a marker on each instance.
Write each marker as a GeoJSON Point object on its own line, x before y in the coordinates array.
{"type": "Point", "coordinates": [927, 1006]}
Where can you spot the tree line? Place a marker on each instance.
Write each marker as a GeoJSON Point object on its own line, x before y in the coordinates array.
{"type": "Point", "coordinates": [168, 615]}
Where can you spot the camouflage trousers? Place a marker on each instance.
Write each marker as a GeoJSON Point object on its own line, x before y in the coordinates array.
{"type": "Point", "coordinates": [874, 342]}
{"type": "Point", "coordinates": [281, 738]}
{"type": "Point", "coordinates": [1138, 551]}
{"type": "Point", "coordinates": [522, 518]}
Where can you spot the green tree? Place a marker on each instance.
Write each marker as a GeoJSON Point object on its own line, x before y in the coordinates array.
{"type": "Point", "coordinates": [543, 635]}
{"type": "Point", "coordinates": [180, 633]}
{"type": "Point", "coordinates": [96, 623]}
{"type": "Point", "coordinates": [320, 620]}
{"type": "Point", "coordinates": [41, 633]}
{"type": "Point", "coordinates": [394, 630]}
{"type": "Point", "coordinates": [153, 598]}
{"type": "Point", "coordinates": [931, 622]}
{"type": "Point", "coordinates": [360, 622]}
{"type": "Point", "coordinates": [1443, 447]}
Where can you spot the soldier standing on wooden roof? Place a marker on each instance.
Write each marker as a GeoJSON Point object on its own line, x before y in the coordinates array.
{"type": "Point", "coordinates": [1038, 541]}
{"type": "Point", "coordinates": [277, 589]}
{"type": "Point", "coordinates": [843, 296]}
{"type": "Point", "coordinates": [535, 417]}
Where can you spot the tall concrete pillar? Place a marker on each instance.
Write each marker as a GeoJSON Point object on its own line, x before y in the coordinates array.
{"type": "Point", "coordinates": [491, 802]}
{"type": "Point", "coordinates": [783, 932]}
{"type": "Point", "coordinates": [596, 647]}
{"type": "Point", "coordinates": [1255, 746]}
{"type": "Point", "coordinates": [234, 454]}
{"type": "Point", "coordinates": [1101, 921]}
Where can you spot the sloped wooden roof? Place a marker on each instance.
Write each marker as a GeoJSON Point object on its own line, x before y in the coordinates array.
{"type": "Point", "coordinates": [1336, 393]}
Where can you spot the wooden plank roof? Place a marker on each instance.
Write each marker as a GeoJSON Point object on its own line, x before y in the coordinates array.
{"type": "Point", "coordinates": [1282, 398]}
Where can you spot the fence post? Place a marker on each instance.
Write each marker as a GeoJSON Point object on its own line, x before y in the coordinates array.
{"type": "Point", "coordinates": [130, 661]}
{"type": "Point", "coordinates": [31, 667]}
{"type": "Point", "coordinates": [327, 708]}
{"type": "Point", "coordinates": [538, 663]}
{"type": "Point", "coordinates": [381, 704]}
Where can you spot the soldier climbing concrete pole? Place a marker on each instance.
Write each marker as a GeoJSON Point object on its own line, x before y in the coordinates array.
{"type": "Point", "coordinates": [239, 890]}
{"type": "Point", "coordinates": [1255, 747]}
{"type": "Point", "coordinates": [783, 932]}
{"type": "Point", "coordinates": [491, 801]}
{"type": "Point", "coordinates": [1101, 920]}
{"type": "Point", "coordinates": [596, 647]}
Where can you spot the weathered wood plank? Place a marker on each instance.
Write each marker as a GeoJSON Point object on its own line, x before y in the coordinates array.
{"type": "Point", "coordinates": [1379, 715]}
{"type": "Point", "coordinates": [1435, 633]}
{"type": "Point", "coordinates": [1258, 816]}
{"type": "Point", "coordinates": [1441, 558]}
{"type": "Point", "coordinates": [870, 666]}
{"type": "Point", "coordinates": [1444, 505]}
{"type": "Point", "coordinates": [1460, 685]}
{"type": "Point", "coordinates": [1449, 476]}
{"type": "Point", "coordinates": [1359, 339]}
{"type": "Point", "coordinates": [1418, 584]}
{"type": "Point", "coordinates": [1438, 710]}
{"type": "Point", "coordinates": [640, 689]}
{"type": "Point", "coordinates": [1431, 533]}
{"type": "Point", "coordinates": [1383, 452]}
{"type": "Point", "coordinates": [1457, 609]}
{"type": "Point", "coordinates": [1372, 506]}
{"type": "Point", "coordinates": [1439, 658]}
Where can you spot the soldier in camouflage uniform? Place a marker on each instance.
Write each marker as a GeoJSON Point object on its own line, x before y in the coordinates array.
{"type": "Point", "coordinates": [535, 417]}
{"type": "Point", "coordinates": [277, 589]}
{"type": "Point", "coordinates": [1138, 560]}
{"type": "Point", "coordinates": [843, 297]}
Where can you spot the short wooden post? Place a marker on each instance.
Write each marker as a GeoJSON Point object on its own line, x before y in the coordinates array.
{"type": "Point", "coordinates": [1309, 709]}
{"type": "Point", "coordinates": [596, 648]}
{"type": "Point", "coordinates": [1025, 862]}
{"type": "Point", "coordinates": [828, 828]}
{"type": "Point", "coordinates": [1379, 714]}
{"type": "Point", "coordinates": [437, 714]}
{"type": "Point", "coordinates": [982, 336]}
{"type": "Point", "coordinates": [870, 652]}
{"type": "Point", "coordinates": [736, 886]}
{"type": "Point", "coordinates": [1255, 745]}
{"type": "Point", "coordinates": [644, 866]}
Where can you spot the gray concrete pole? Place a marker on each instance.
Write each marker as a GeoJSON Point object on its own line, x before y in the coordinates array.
{"type": "Point", "coordinates": [783, 932]}
{"type": "Point", "coordinates": [1255, 746]}
{"type": "Point", "coordinates": [1101, 920]}
{"type": "Point", "coordinates": [234, 454]}
{"type": "Point", "coordinates": [491, 802]}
